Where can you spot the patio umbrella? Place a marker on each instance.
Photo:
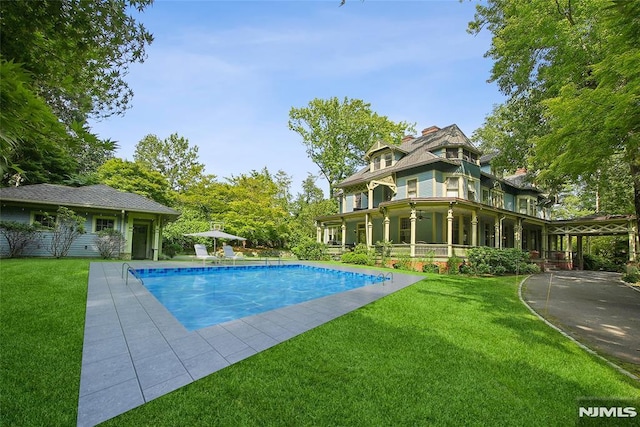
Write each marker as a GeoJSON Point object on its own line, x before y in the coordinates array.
{"type": "Point", "coordinates": [216, 234]}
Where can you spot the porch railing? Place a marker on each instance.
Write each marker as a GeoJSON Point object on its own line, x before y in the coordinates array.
{"type": "Point", "coordinates": [421, 250]}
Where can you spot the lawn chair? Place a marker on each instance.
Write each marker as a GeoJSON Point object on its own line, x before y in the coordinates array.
{"type": "Point", "coordinates": [230, 254]}
{"type": "Point", "coordinates": [201, 253]}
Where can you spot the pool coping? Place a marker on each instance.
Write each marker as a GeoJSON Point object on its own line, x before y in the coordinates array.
{"type": "Point", "coordinates": [135, 350]}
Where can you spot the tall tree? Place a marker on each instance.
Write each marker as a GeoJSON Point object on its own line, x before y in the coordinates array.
{"type": "Point", "coordinates": [173, 158]}
{"type": "Point", "coordinates": [338, 133]}
{"type": "Point", "coordinates": [576, 68]}
{"type": "Point", "coordinates": [136, 178]}
{"type": "Point", "coordinates": [77, 51]}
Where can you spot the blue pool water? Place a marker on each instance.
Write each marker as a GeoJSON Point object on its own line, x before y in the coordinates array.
{"type": "Point", "coordinates": [200, 297]}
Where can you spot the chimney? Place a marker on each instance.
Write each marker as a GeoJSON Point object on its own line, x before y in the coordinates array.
{"type": "Point", "coordinates": [408, 138]}
{"type": "Point", "coordinates": [429, 130]}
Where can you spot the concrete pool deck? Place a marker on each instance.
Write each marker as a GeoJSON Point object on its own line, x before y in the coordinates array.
{"type": "Point", "coordinates": [135, 350]}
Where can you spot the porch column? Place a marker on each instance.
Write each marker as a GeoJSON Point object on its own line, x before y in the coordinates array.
{"type": "Point", "coordinates": [450, 232]}
{"type": "Point", "coordinates": [318, 233]}
{"type": "Point", "coordinates": [517, 234]}
{"type": "Point", "coordinates": [545, 242]}
{"type": "Point", "coordinates": [156, 238]}
{"type": "Point", "coordinates": [580, 254]}
{"type": "Point", "coordinates": [496, 227]}
{"type": "Point", "coordinates": [569, 251]}
{"type": "Point", "coordinates": [370, 198]}
{"type": "Point", "coordinates": [386, 223]}
{"type": "Point", "coordinates": [474, 228]}
{"type": "Point", "coordinates": [412, 219]}
{"type": "Point", "coordinates": [369, 229]}
{"type": "Point", "coordinates": [344, 234]}
{"type": "Point", "coordinates": [632, 241]}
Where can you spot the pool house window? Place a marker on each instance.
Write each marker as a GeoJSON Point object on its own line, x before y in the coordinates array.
{"type": "Point", "coordinates": [45, 220]}
{"type": "Point", "coordinates": [102, 223]}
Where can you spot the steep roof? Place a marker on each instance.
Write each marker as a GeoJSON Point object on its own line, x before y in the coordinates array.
{"type": "Point", "coordinates": [418, 154]}
{"type": "Point", "coordinates": [93, 196]}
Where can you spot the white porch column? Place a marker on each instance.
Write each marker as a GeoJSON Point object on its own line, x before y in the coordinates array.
{"type": "Point", "coordinates": [450, 232]}
{"type": "Point", "coordinates": [412, 219]}
{"type": "Point", "coordinates": [369, 229]}
{"type": "Point", "coordinates": [474, 228]}
{"type": "Point", "coordinates": [497, 233]}
{"type": "Point", "coordinates": [318, 233]}
{"type": "Point", "coordinates": [344, 234]}
{"type": "Point", "coordinates": [386, 222]}
{"type": "Point", "coordinates": [370, 198]}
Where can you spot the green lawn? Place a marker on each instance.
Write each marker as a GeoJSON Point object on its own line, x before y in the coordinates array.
{"type": "Point", "coordinates": [447, 351]}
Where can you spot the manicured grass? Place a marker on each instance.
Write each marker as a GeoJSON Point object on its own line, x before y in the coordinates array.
{"type": "Point", "coordinates": [446, 351]}
{"type": "Point", "coordinates": [42, 309]}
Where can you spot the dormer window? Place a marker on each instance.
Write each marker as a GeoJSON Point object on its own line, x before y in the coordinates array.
{"type": "Point", "coordinates": [376, 163]}
{"type": "Point", "coordinates": [382, 161]}
{"type": "Point", "coordinates": [387, 160]}
{"type": "Point", "coordinates": [452, 153]}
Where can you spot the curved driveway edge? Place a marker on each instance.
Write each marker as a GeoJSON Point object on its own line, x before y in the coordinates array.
{"type": "Point", "coordinates": [595, 308]}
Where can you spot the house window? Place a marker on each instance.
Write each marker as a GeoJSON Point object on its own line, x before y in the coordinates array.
{"type": "Point", "coordinates": [104, 224]}
{"type": "Point", "coordinates": [405, 230]}
{"type": "Point", "coordinates": [452, 187]}
{"type": "Point", "coordinates": [412, 187]}
{"type": "Point", "coordinates": [452, 153]}
{"type": "Point", "coordinates": [376, 163]}
{"type": "Point", "coordinates": [485, 196]}
{"type": "Point", "coordinates": [471, 190]}
{"type": "Point", "coordinates": [522, 206]}
{"type": "Point", "coordinates": [387, 194]}
{"type": "Point", "coordinates": [45, 220]}
{"type": "Point", "coordinates": [357, 201]}
{"type": "Point", "coordinates": [387, 160]}
{"type": "Point", "coordinates": [469, 156]}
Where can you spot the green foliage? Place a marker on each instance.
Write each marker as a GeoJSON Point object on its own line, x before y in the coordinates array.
{"type": "Point", "coordinates": [171, 249]}
{"type": "Point", "coordinates": [404, 262]}
{"type": "Point", "coordinates": [453, 264]}
{"type": "Point", "coordinates": [599, 263]}
{"type": "Point", "coordinates": [571, 73]}
{"type": "Point", "coordinates": [360, 255]}
{"type": "Point", "coordinates": [135, 178]}
{"type": "Point", "coordinates": [431, 268]}
{"type": "Point", "coordinates": [486, 260]}
{"type": "Point", "coordinates": [19, 237]}
{"type": "Point", "coordinates": [311, 250]}
{"type": "Point", "coordinates": [109, 242]}
{"type": "Point", "coordinates": [173, 158]}
{"type": "Point", "coordinates": [68, 227]}
{"type": "Point", "coordinates": [632, 275]}
{"type": "Point", "coordinates": [338, 133]}
{"type": "Point", "coordinates": [384, 250]}
{"type": "Point", "coordinates": [77, 52]}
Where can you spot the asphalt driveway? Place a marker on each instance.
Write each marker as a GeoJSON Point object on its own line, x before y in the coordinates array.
{"type": "Point", "coordinates": [593, 307]}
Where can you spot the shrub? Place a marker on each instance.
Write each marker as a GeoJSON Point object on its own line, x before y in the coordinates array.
{"type": "Point", "coordinates": [171, 249]}
{"type": "Point", "coordinates": [632, 275]}
{"type": "Point", "coordinates": [452, 264]}
{"type": "Point", "coordinates": [360, 255]}
{"type": "Point", "coordinates": [485, 260]}
{"type": "Point", "coordinates": [309, 249]}
{"type": "Point", "coordinates": [109, 243]}
{"type": "Point", "coordinates": [19, 236]}
{"type": "Point", "coordinates": [68, 227]}
{"type": "Point", "coordinates": [430, 268]}
{"type": "Point", "coordinates": [403, 262]}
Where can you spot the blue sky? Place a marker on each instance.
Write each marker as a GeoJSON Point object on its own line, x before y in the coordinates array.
{"type": "Point", "coordinates": [224, 74]}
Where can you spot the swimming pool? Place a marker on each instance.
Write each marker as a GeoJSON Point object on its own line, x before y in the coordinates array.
{"type": "Point", "coordinates": [206, 296]}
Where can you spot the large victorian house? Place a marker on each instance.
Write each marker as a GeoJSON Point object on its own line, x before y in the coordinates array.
{"type": "Point", "coordinates": [436, 194]}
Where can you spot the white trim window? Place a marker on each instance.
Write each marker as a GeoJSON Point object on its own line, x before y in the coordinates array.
{"type": "Point", "coordinates": [45, 220]}
{"type": "Point", "coordinates": [453, 186]}
{"type": "Point", "coordinates": [471, 190]}
{"type": "Point", "coordinates": [103, 223]}
{"type": "Point", "coordinates": [412, 187]}
{"type": "Point", "coordinates": [405, 230]}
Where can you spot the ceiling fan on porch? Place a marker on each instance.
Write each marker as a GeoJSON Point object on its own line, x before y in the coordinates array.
{"type": "Point", "coordinates": [420, 215]}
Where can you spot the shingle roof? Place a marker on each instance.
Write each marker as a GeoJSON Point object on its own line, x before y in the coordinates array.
{"type": "Point", "coordinates": [418, 153]}
{"type": "Point", "coordinates": [92, 196]}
